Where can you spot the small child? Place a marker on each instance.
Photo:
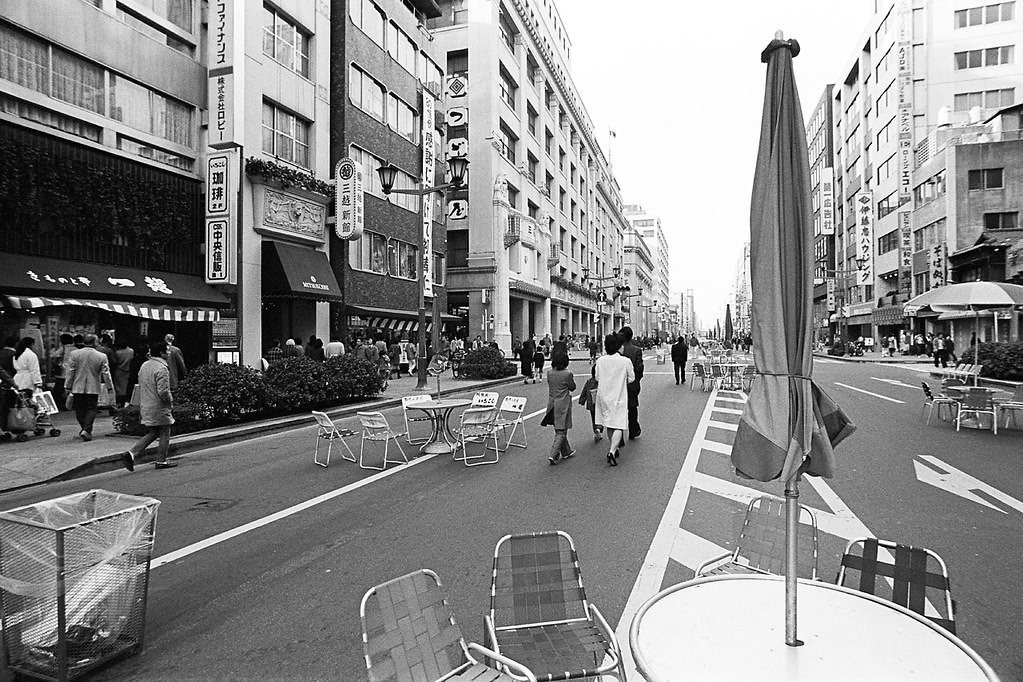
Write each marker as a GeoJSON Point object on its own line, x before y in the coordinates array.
{"type": "Point", "coordinates": [538, 361]}
{"type": "Point", "coordinates": [588, 398]}
{"type": "Point", "coordinates": [560, 384]}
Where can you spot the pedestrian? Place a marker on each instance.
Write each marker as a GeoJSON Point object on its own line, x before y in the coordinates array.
{"type": "Point", "coordinates": [560, 346]}
{"type": "Point", "coordinates": [89, 374]}
{"type": "Point", "coordinates": [526, 353]}
{"type": "Point", "coordinates": [538, 361]}
{"type": "Point", "coordinates": [884, 346]}
{"type": "Point", "coordinates": [591, 345]}
{"type": "Point", "coordinates": [274, 353]}
{"type": "Point", "coordinates": [156, 408]}
{"type": "Point", "coordinates": [588, 398]}
{"type": "Point", "coordinates": [938, 346]}
{"type": "Point", "coordinates": [412, 353]}
{"type": "Point", "coordinates": [123, 355]}
{"type": "Point", "coordinates": [560, 384]}
{"type": "Point", "coordinates": [63, 357]}
{"type": "Point", "coordinates": [394, 358]}
{"type": "Point", "coordinates": [27, 377]}
{"type": "Point", "coordinates": [633, 353]}
{"type": "Point", "coordinates": [334, 347]}
{"type": "Point", "coordinates": [7, 385]}
{"type": "Point", "coordinates": [950, 350]}
{"type": "Point", "coordinates": [175, 361]}
{"type": "Point", "coordinates": [477, 343]}
{"type": "Point", "coordinates": [314, 351]}
{"type": "Point", "coordinates": [679, 357]}
{"type": "Point", "coordinates": [402, 358]}
{"type": "Point", "coordinates": [614, 373]}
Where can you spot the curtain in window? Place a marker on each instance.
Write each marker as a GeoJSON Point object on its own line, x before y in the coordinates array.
{"type": "Point", "coordinates": [24, 60]}
{"type": "Point", "coordinates": [179, 13]}
{"type": "Point", "coordinates": [173, 120]}
{"type": "Point", "coordinates": [130, 104]}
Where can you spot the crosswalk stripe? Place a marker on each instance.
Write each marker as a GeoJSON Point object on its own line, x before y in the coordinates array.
{"type": "Point", "coordinates": [727, 410]}
{"type": "Point", "coordinates": [714, 446]}
{"type": "Point", "coordinates": [723, 425]}
{"type": "Point", "coordinates": [691, 550]}
{"type": "Point", "coordinates": [731, 400]}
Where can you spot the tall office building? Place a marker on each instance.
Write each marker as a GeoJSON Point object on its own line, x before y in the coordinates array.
{"type": "Point", "coordinates": [542, 209]}
{"type": "Point", "coordinates": [743, 293]}
{"type": "Point", "coordinates": [640, 274]}
{"type": "Point", "coordinates": [649, 227]}
{"type": "Point", "coordinates": [820, 147]}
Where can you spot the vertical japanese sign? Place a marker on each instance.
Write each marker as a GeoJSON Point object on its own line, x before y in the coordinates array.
{"type": "Point", "coordinates": [832, 302]}
{"type": "Point", "coordinates": [905, 253]}
{"type": "Point", "coordinates": [456, 116]}
{"type": "Point", "coordinates": [827, 200]}
{"type": "Point", "coordinates": [224, 127]}
{"type": "Point", "coordinates": [429, 164]}
{"type": "Point", "coordinates": [865, 237]}
{"type": "Point", "coordinates": [222, 177]}
{"type": "Point", "coordinates": [348, 199]}
{"type": "Point", "coordinates": [937, 265]}
{"type": "Point", "coordinates": [904, 50]}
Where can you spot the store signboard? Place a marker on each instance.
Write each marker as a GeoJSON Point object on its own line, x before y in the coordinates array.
{"type": "Point", "coordinates": [222, 177]}
{"type": "Point", "coordinates": [225, 128]}
{"type": "Point", "coordinates": [225, 333]}
{"type": "Point", "coordinates": [827, 201]}
{"type": "Point", "coordinates": [832, 303]}
{"type": "Point", "coordinates": [905, 252]}
{"type": "Point", "coordinates": [865, 237]}
{"type": "Point", "coordinates": [348, 199]}
{"type": "Point", "coordinates": [429, 163]}
{"type": "Point", "coordinates": [904, 79]}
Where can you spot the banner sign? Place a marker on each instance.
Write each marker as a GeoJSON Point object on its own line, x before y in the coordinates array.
{"type": "Point", "coordinates": [225, 129]}
{"type": "Point", "coordinates": [905, 253]}
{"type": "Point", "coordinates": [222, 177]}
{"type": "Point", "coordinates": [827, 200]}
{"type": "Point", "coordinates": [832, 303]}
{"type": "Point", "coordinates": [904, 48]}
{"type": "Point", "coordinates": [429, 164]}
{"type": "Point", "coordinates": [348, 199]}
{"type": "Point", "coordinates": [865, 236]}
{"type": "Point", "coordinates": [456, 119]}
{"type": "Point", "coordinates": [937, 265]}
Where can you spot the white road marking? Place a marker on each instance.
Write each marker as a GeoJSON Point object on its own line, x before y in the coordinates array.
{"type": "Point", "coordinates": [732, 400]}
{"type": "Point", "coordinates": [827, 362]}
{"type": "Point", "coordinates": [714, 446]}
{"type": "Point", "coordinates": [876, 395]}
{"type": "Point", "coordinates": [896, 382]}
{"type": "Point", "coordinates": [723, 425]}
{"type": "Point", "coordinates": [957, 482]}
{"type": "Point", "coordinates": [727, 410]}
{"type": "Point", "coordinates": [691, 550]}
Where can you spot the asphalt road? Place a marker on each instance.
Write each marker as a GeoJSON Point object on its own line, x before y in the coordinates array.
{"type": "Point", "coordinates": [237, 595]}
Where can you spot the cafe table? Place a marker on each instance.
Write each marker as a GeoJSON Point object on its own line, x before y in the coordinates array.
{"type": "Point", "coordinates": [730, 367]}
{"type": "Point", "coordinates": [733, 628]}
{"type": "Point", "coordinates": [997, 396]}
{"type": "Point", "coordinates": [441, 441]}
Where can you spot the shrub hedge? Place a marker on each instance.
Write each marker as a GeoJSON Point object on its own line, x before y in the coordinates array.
{"type": "Point", "coordinates": [486, 363]}
{"type": "Point", "coordinates": [998, 360]}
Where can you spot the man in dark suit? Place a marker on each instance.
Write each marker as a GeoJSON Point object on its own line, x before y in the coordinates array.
{"type": "Point", "coordinates": [634, 353]}
{"type": "Point", "coordinates": [679, 357]}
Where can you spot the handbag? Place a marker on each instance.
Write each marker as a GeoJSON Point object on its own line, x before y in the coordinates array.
{"type": "Point", "coordinates": [21, 419]}
{"type": "Point", "coordinates": [548, 419]}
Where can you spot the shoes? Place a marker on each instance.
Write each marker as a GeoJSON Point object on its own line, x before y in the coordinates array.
{"type": "Point", "coordinates": [597, 436]}
{"type": "Point", "coordinates": [571, 454]}
{"type": "Point", "coordinates": [612, 457]}
{"type": "Point", "coordinates": [166, 465]}
{"type": "Point", "coordinates": [85, 435]}
{"type": "Point", "coordinates": [676, 383]}
{"type": "Point", "coordinates": [553, 460]}
{"type": "Point", "coordinates": [128, 461]}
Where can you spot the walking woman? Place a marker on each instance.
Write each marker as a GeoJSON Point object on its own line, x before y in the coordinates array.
{"type": "Point", "coordinates": [27, 376]}
{"type": "Point", "coordinates": [614, 372]}
{"type": "Point", "coordinates": [526, 358]}
{"type": "Point", "coordinates": [560, 384]}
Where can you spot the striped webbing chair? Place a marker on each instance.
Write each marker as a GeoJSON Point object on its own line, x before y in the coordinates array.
{"type": "Point", "coordinates": [409, 633]}
{"type": "Point", "coordinates": [539, 614]}
{"type": "Point", "coordinates": [902, 574]}
{"type": "Point", "coordinates": [760, 547]}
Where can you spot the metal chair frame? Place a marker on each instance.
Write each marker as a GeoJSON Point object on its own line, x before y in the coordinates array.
{"type": "Point", "coordinates": [476, 425]}
{"type": "Point", "coordinates": [760, 547]}
{"type": "Point", "coordinates": [329, 432]}
{"type": "Point", "coordinates": [700, 372]}
{"type": "Point", "coordinates": [544, 592]}
{"type": "Point", "coordinates": [514, 406]}
{"type": "Point", "coordinates": [376, 428]}
{"type": "Point", "coordinates": [932, 401]}
{"type": "Point", "coordinates": [905, 576]}
{"type": "Point", "coordinates": [410, 400]}
{"type": "Point", "coordinates": [748, 376]}
{"type": "Point", "coordinates": [1010, 408]}
{"type": "Point", "coordinates": [977, 401]}
{"type": "Point", "coordinates": [412, 635]}
{"type": "Point", "coordinates": [717, 376]}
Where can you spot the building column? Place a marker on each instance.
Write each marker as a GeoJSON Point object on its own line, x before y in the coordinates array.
{"type": "Point", "coordinates": [499, 297]}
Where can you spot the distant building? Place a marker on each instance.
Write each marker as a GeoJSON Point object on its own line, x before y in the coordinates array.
{"type": "Point", "coordinates": [649, 227]}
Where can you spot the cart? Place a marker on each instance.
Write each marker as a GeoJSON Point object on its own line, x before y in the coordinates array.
{"type": "Point", "coordinates": [43, 409]}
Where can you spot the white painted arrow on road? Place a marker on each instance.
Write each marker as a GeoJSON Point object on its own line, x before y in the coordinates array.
{"type": "Point", "coordinates": [947, 477]}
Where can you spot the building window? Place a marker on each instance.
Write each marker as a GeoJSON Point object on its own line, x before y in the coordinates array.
{"type": "Point", "coordinates": [992, 56]}
{"type": "Point", "coordinates": [51, 119]}
{"type": "Point", "coordinates": [285, 43]}
{"type": "Point", "coordinates": [561, 200]}
{"type": "Point", "coordinates": [155, 32]}
{"type": "Point", "coordinates": [369, 254]}
{"type": "Point", "coordinates": [402, 118]}
{"type": "Point", "coordinates": [403, 259]}
{"type": "Point", "coordinates": [150, 112]}
{"type": "Point", "coordinates": [548, 184]}
{"type": "Point", "coordinates": [371, 180]}
{"type": "Point", "coordinates": [888, 242]}
{"type": "Point", "coordinates": [285, 136]}
{"type": "Point", "coordinates": [988, 14]}
{"type": "Point", "coordinates": [429, 72]}
{"type": "Point", "coordinates": [1001, 221]}
{"type": "Point", "coordinates": [438, 268]}
{"type": "Point", "coordinates": [531, 167]}
{"type": "Point", "coordinates": [401, 48]}
{"type": "Point", "coordinates": [531, 119]}
{"type": "Point", "coordinates": [985, 178]}
{"type": "Point", "coordinates": [366, 93]}
{"type": "Point", "coordinates": [549, 142]}
{"type": "Point", "coordinates": [508, 89]}
{"type": "Point", "coordinates": [178, 12]}
{"type": "Point", "coordinates": [929, 190]}
{"type": "Point", "coordinates": [153, 153]}
{"type": "Point", "coordinates": [507, 30]}
{"type": "Point", "coordinates": [369, 18]}
{"type": "Point", "coordinates": [458, 248]}
{"type": "Point", "coordinates": [985, 99]}
{"type": "Point", "coordinates": [561, 159]}
{"type": "Point", "coordinates": [508, 142]}
{"type": "Point", "coordinates": [532, 69]}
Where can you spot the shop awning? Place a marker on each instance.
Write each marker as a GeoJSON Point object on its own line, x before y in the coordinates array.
{"type": "Point", "coordinates": [52, 279]}
{"type": "Point", "coordinates": [391, 318]}
{"type": "Point", "coordinates": [298, 272]}
{"type": "Point", "coordinates": [149, 312]}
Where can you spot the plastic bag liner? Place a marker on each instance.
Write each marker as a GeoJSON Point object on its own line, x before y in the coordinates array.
{"type": "Point", "coordinates": [82, 559]}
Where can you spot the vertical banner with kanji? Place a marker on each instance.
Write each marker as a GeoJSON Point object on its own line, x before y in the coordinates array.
{"type": "Point", "coordinates": [904, 77]}
{"type": "Point", "coordinates": [905, 252]}
{"type": "Point", "coordinates": [827, 200]}
{"type": "Point", "coordinates": [223, 174]}
{"type": "Point", "coordinates": [429, 163]}
{"type": "Point", "coordinates": [937, 262]}
{"type": "Point", "coordinates": [456, 116]}
{"type": "Point", "coordinates": [865, 237]}
{"type": "Point", "coordinates": [224, 64]}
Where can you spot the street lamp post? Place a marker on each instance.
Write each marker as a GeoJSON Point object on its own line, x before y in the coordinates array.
{"type": "Point", "coordinates": [457, 167]}
{"type": "Point", "coordinates": [616, 271]}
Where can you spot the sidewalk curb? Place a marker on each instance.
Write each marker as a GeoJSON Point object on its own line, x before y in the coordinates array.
{"type": "Point", "coordinates": [870, 360]}
{"type": "Point", "coordinates": [203, 440]}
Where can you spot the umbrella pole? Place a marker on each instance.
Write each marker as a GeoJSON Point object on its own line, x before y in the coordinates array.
{"type": "Point", "coordinates": [976, 347]}
{"type": "Point", "coordinates": [791, 569]}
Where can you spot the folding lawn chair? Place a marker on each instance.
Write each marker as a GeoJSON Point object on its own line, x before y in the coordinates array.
{"type": "Point", "coordinates": [416, 416]}
{"type": "Point", "coordinates": [510, 415]}
{"type": "Point", "coordinates": [409, 633]}
{"type": "Point", "coordinates": [329, 432]}
{"type": "Point", "coordinates": [903, 574]}
{"type": "Point", "coordinates": [931, 401]}
{"type": "Point", "coordinates": [376, 428]}
{"type": "Point", "coordinates": [977, 401]}
{"type": "Point", "coordinates": [700, 372]}
{"type": "Point", "coordinates": [476, 425]}
{"type": "Point", "coordinates": [539, 613]}
{"type": "Point", "coordinates": [760, 547]}
{"type": "Point", "coordinates": [748, 376]}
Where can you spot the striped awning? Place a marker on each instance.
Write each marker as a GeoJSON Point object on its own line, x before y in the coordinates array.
{"type": "Point", "coordinates": [149, 312]}
{"type": "Point", "coordinates": [395, 325]}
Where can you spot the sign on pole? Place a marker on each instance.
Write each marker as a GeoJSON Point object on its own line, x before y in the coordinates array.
{"type": "Point", "coordinates": [865, 236]}
{"type": "Point", "coordinates": [348, 199]}
{"type": "Point", "coordinates": [429, 162]}
{"type": "Point", "coordinates": [222, 178]}
{"type": "Point", "coordinates": [225, 129]}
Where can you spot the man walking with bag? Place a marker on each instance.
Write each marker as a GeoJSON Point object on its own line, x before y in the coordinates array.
{"type": "Point", "coordinates": [88, 374]}
{"type": "Point", "coordinates": [155, 407]}
{"type": "Point", "coordinates": [633, 353]}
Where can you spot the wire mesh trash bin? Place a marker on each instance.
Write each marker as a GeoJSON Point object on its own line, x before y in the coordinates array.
{"type": "Point", "coordinates": [74, 575]}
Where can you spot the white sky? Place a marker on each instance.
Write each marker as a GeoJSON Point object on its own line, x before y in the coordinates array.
{"type": "Point", "coordinates": [682, 86]}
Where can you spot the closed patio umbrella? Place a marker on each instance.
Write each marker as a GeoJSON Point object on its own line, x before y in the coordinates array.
{"type": "Point", "coordinates": [789, 425]}
{"type": "Point", "coordinates": [729, 329]}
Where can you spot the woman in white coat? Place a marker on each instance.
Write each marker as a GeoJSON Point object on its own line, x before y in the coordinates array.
{"type": "Point", "coordinates": [26, 366]}
{"type": "Point", "coordinates": [613, 372]}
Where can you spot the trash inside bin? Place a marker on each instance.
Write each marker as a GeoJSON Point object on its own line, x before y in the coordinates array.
{"type": "Point", "coordinates": [74, 576]}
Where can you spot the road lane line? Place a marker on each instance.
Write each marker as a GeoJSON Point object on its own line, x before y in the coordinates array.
{"type": "Point", "coordinates": [896, 382]}
{"type": "Point", "coordinates": [714, 446]}
{"type": "Point", "coordinates": [723, 425]}
{"type": "Point", "coordinates": [876, 395]}
{"type": "Point", "coordinates": [727, 410]}
{"type": "Point", "coordinates": [691, 550]}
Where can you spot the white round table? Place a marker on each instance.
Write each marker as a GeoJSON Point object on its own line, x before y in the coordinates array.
{"type": "Point", "coordinates": [733, 628]}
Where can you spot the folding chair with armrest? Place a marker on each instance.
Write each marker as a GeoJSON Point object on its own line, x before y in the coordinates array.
{"type": "Point", "coordinates": [717, 376]}
{"type": "Point", "coordinates": [540, 615]}
{"type": "Point", "coordinates": [700, 372]}
{"type": "Point", "coordinates": [902, 574]}
{"type": "Point", "coordinates": [376, 428]}
{"type": "Point", "coordinates": [513, 407]}
{"type": "Point", "coordinates": [416, 416]}
{"type": "Point", "coordinates": [410, 633]}
{"type": "Point", "coordinates": [476, 425]}
{"type": "Point", "coordinates": [760, 547]}
{"type": "Point", "coordinates": [329, 432]}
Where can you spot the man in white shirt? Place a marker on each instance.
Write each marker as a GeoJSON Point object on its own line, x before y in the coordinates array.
{"type": "Point", "coordinates": [334, 347]}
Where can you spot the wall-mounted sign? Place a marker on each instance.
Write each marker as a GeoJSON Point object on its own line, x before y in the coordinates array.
{"type": "Point", "coordinates": [225, 127]}
{"type": "Point", "coordinates": [457, 86]}
{"type": "Point", "coordinates": [905, 252]}
{"type": "Point", "coordinates": [458, 209]}
{"type": "Point", "coordinates": [827, 201]}
{"type": "Point", "coordinates": [904, 77]}
{"type": "Point", "coordinates": [218, 251]}
{"type": "Point", "coordinates": [222, 177]}
{"type": "Point", "coordinates": [348, 198]}
{"type": "Point", "coordinates": [937, 265]}
{"type": "Point", "coordinates": [832, 303]}
{"type": "Point", "coordinates": [429, 163]}
{"type": "Point", "coordinates": [865, 236]}
{"type": "Point", "coordinates": [456, 116]}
